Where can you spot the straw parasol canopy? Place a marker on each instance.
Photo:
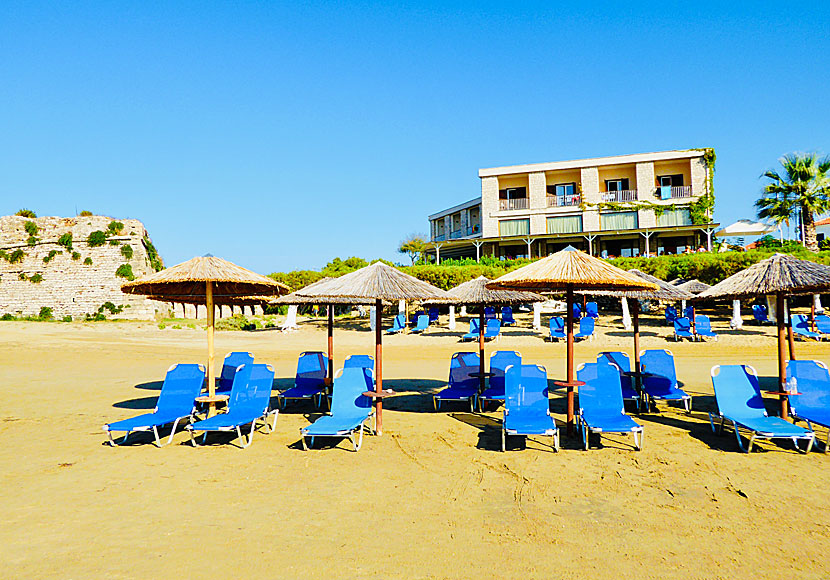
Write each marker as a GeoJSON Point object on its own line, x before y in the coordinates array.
{"type": "Point", "coordinates": [475, 291]}
{"type": "Point", "coordinates": [664, 291]}
{"type": "Point", "coordinates": [569, 270]}
{"type": "Point", "coordinates": [210, 281]}
{"type": "Point", "coordinates": [693, 286]}
{"type": "Point", "coordinates": [299, 299]}
{"type": "Point", "coordinates": [781, 275]}
{"type": "Point", "coordinates": [376, 282]}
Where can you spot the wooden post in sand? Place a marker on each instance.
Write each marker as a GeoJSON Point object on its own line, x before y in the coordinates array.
{"type": "Point", "coordinates": [481, 348]}
{"type": "Point", "coordinates": [378, 366]}
{"type": "Point", "coordinates": [569, 306]}
{"type": "Point", "coordinates": [211, 363]}
{"type": "Point", "coordinates": [782, 338]}
{"type": "Point", "coordinates": [330, 374]}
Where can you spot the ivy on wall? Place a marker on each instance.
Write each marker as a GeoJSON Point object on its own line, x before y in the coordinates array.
{"type": "Point", "coordinates": [702, 209]}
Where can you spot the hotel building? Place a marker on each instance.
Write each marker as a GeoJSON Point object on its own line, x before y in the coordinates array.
{"type": "Point", "coordinates": [627, 205]}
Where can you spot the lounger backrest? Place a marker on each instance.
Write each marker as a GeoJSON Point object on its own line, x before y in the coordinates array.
{"type": "Point", "coordinates": [759, 312]}
{"type": "Point", "coordinates": [812, 379]}
{"type": "Point", "coordinates": [423, 321]}
{"type": "Point", "coordinates": [474, 326]}
{"type": "Point", "coordinates": [671, 313]}
{"type": "Point", "coordinates": [659, 362]}
{"type": "Point", "coordinates": [682, 325]}
{"type": "Point", "coordinates": [620, 359]}
{"type": "Point", "coordinates": [702, 323]}
{"type": "Point", "coordinates": [311, 369]}
{"type": "Point", "coordinates": [499, 361]}
{"type": "Point", "coordinates": [689, 312]}
{"type": "Point", "coordinates": [506, 313]}
{"type": "Point", "coordinates": [461, 365]}
{"type": "Point", "coordinates": [592, 309]}
{"type": "Point", "coordinates": [229, 366]}
{"type": "Point", "coordinates": [347, 395]}
{"type": "Point", "coordinates": [586, 325]}
{"type": "Point", "coordinates": [433, 314]}
{"type": "Point", "coordinates": [399, 322]}
{"type": "Point", "coordinates": [526, 390]}
{"type": "Point", "coordinates": [489, 312]}
{"type": "Point", "coordinates": [493, 327]}
{"type": "Point", "coordinates": [576, 312]}
{"type": "Point", "coordinates": [181, 386]}
{"type": "Point", "coordinates": [823, 322]}
{"type": "Point", "coordinates": [602, 391]}
{"type": "Point", "coordinates": [557, 324]}
{"type": "Point", "coordinates": [359, 361]}
{"type": "Point", "coordinates": [737, 392]}
{"type": "Point", "coordinates": [800, 322]}
{"type": "Point", "coordinates": [256, 396]}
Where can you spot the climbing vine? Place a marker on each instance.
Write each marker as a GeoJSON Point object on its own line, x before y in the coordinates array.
{"type": "Point", "coordinates": [701, 209]}
{"type": "Point", "coordinates": [625, 206]}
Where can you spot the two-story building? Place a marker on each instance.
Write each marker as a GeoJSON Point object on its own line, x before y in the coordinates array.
{"type": "Point", "coordinates": [626, 205]}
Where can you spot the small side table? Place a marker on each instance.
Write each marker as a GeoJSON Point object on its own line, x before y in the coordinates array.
{"type": "Point", "coordinates": [212, 401]}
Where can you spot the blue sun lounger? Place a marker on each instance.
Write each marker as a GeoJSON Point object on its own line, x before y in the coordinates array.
{"type": "Point", "coordinates": [601, 406]}
{"type": "Point", "coordinates": [176, 402]}
{"type": "Point", "coordinates": [576, 312]}
{"type": "Point", "coordinates": [683, 329]}
{"type": "Point", "coordinates": [592, 310]}
{"type": "Point", "coordinates": [461, 386]}
{"type": "Point", "coordinates": [739, 401]}
{"type": "Point", "coordinates": [811, 379]}
{"type": "Point", "coordinates": [398, 325]}
{"type": "Point", "coordinates": [670, 314]}
{"type": "Point", "coordinates": [349, 408]}
{"type": "Point", "coordinates": [499, 361]}
{"type": "Point", "coordinates": [422, 324]}
{"type": "Point", "coordinates": [359, 361]}
{"type": "Point", "coordinates": [507, 316]}
{"type": "Point", "coordinates": [489, 312]}
{"type": "Point", "coordinates": [473, 334]}
{"type": "Point", "coordinates": [660, 380]}
{"type": "Point", "coordinates": [823, 323]}
{"type": "Point", "coordinates": [801, 327]}
{"type": "Point", "coordinates": [586, 328]}
{"type": "Point", "coordinates": [250, 402]}
{"type": "Point", "coordinates": [759, 312]}
{"type": "Point", "coordinates": [526, 404]}
{"type": "Point", "coordinates": [233, 360]}
{"type": "Point", "coordinates": [493, 329]}
{"type": "Point", "coordinates": [310, 379]}
{"type": "Point", "coordinates": [623, 363]}
{"type": "Point", "coordinates": [557, 328]}
{"type": "Point", "coordinates": [703, 327]}
{"type": "Point", "coordinates": [433, 314]}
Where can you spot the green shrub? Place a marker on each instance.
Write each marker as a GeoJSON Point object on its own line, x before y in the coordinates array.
{"type": "Point", "coordinates": [114, 242]}
{"type": "Point", "coordinates": [114, 228]}
{"type": "Point", "coordinates": [7, 317]}
{"type": "Point", "coordinates": [26, 213]}
{"type": "Point", "coordinates": [111, 307]}
{"type": "Point", "coordinates": [235, 322]}
{"type": "Point", "coordinates": [66, 318]}
{"type": "Point", "coordinates": [22, 276]}
{"type": "Point", "coordinates": [97, 317]}
{"type": "Point", "coordinates": [76, 256]}
{"type": "Point", "coordinates": [177, 327]}
{"type": "Point", "coordinates": [85, 213]}
{"type": "Point", "coordinates": [66, 241]}
{"type": "Point", "coordinates": [45, 313]}
{"type": "Point", "coordinates": [16, 256]}
{"type": "Point", "coordinates": [125, 271]}
{"type": "Point", "coordinates": [50, 256]}
{"type": "Point", "coordinates": [87, 261]}
{"type": "Point", "coordinates": [36, 279]}
{"type": "Point", "coordinates": [162, 326]}
{"type": "Point", "coordinates": [31, 228]}
{"type": "Point", "coordinates": [127, 251]}
{"type": "Point", "coordinates": [152, 255]}
{"type": "Point", "coordinates": [32, 240]}
{"type": "Point", "coordinates": [96, 238]}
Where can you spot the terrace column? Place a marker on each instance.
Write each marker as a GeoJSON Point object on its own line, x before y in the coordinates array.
{"type": "Point", "coordinates": [737, 322]}
{"type": "Point", "coordinates": [452, 317]}
{"type": "Point", "coordinates": [626, 315]}
{"type": "Point", "coordinates": [537, 315]}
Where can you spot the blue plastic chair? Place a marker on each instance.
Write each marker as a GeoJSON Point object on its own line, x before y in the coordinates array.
{"type": "Point", "coordinates": [398, 325]}
{"type": "Point", "coordinates": [349, 408]}
{"type": "Point", "coordinates": [689, 312]}
{"type": "Point", "coordinates": [576, 312]}
{"type": "Point", "coordinates": [422, 324]}
{"type": "Point", "coordinates": [526, 404]}
{"type": "Point", "coordinates": [499, 361]}
{"type": "Point", "coordinates": [759, 312]}
{"type": "Point", "coordinates": [473, 334]}
{"type": "Point", "coordinates": [739, 401]}
{"type": "Point", "coordinates": [671, 314]}
{"type": "Point", "coordinates": [683, 329]}
{"type": "Point", "coordinates": [601, 405]}
{"type": "Point", "coordinates": [592, 310]}
{"type": "Point", "coordinates": [413, 320]}
{"type": "Point", "coordinates": [801, 327]}
{"type": "Point", "coordinates": [489, 313]}
{"type": "Point", "coordinates": [660, 382]}
{"type": "Point", "coordinates": [811, 379]}
{"type": "Point", "coordinates": [433, 314]}
{"type": "Point", "coordinates": [557, 328]}
{"type": "Point", "coordinates": [310, 379]}
{"type": "Point", "coordinates": [181, 386]}
{"type": "Point", "coordinates": [359, 361]}
{"type": "Point", "coordinates": [507, 316]}
{"type": "Point", "coordinates": [493, 329]}
{"type": "Point", "coordinates": [250, 402]}
{"type": "Point", "coordinates": [622, 362]}
{"type": "Point", "coordinates": [233, 360]}
{"type": "Point", "coordinates": [703, 327]}
{"type": "Point", "coordinates": [586, 328]}
{"type": "Point", "coordinates": [823, 323]}
{"type": "Point", "coordinates": [461, 386]}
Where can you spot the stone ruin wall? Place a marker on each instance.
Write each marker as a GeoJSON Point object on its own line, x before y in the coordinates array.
{"type": "Point", "coordinates": [68, 286]}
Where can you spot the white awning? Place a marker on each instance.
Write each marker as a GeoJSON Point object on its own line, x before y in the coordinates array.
{"type": "Point", "coordinates": [745, 228]}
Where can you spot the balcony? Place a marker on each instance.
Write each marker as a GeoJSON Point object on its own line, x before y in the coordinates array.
{"type": "Point", "coordinates": [508, 204]}
{"type": "Point", "coordinates": [619, 196]}
{"type": "Point", "coordinates": [674, 192]}
{"type": "Point", "coordinates": [473, 229]}
{"type": "Point", "coordinates": [439, 238]}
{"type": "Point", "coordinates": [455, 234]}
{"type": "Point", "coordinates": [564, 200]}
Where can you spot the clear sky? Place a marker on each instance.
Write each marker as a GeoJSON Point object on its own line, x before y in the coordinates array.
{"type": "Point", "coordinates": [280, 135]}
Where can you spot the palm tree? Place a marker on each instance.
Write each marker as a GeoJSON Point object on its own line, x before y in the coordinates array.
{"type": "Point", "coordinates": [804, 184]}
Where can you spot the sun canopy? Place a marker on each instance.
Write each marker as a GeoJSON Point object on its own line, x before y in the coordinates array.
{"type": "Point", "coordinates": [476, 292]}
{"type": "Point", "coordinates": [745, 228]}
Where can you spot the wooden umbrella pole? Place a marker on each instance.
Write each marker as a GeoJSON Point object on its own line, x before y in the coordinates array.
{"type": "Point", "coordinates": [569, 302]}
{"type": "Point", "coordinates": [378, 367]}
{"type": "Point", "coordinates": [481, 348]}
{"type": "Point", "coordinates": [635, 319]}
{"type": "Point", "coordinates": [692, 322]}
{"type": "Point", "coordinates": [211, 363]}
{"type": "Point", "coordinates": [782, 371]}
{"type": "Point", "coordinates": [812, 313]}
{"type": "Point", "coordinates": [789, 322]}
{"type": "Point", "coordinates": [330, 310]}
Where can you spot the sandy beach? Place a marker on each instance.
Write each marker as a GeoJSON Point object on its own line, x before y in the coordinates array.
{"type": "Point", "coordinates": [434, 497]}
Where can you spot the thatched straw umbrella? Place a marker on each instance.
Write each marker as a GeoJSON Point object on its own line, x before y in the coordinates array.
{"type": "Point", "coordinates": [782, 275]}
{"type": "Point", "coordinates": [207, 280]}
{"type": "Point", "coordinates": [476, 293]}
{"type": "Point", "coordinates": [377, 282]}
{"type": "Point", "coordinates": [693, 286]}
{"type": "Point", "coordinates": [568, 270]}
{"type": "Point", "coordinates": [329, 302]}
{"type": "Point", "coordinates": [665, 291]}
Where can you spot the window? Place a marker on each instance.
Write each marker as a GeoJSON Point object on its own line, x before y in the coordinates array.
{"type": "Point", "coordinates": [616, 184]}
{"type": "Point", "coordinates": [624, 248]}
{"type": "Point", "coordinates": [670, 180]}
{"type": "Point", "coordinates": [565, 224]}
{"type": "Point", "coordinates": [674, 217]}
{"type": "Point", "coordinates": [514, 227]}
{"type": "Point", "coordinates": [621, 220]}
{"type": "Point", "coordinates": [513, 193]}
{"type": "Point", "coordinates": [562, 189]}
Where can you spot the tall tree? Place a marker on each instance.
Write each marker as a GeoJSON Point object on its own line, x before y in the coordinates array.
{"type": "Point", "coordinates": [804, 183]}
{"type": "Point", "coordinates": [414, 246]}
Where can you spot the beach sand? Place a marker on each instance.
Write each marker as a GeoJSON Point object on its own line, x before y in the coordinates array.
{"type": "Point", "coordinates": [434, 497]}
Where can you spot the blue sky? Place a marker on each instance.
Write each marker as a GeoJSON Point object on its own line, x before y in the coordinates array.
{"type": "Point", "coordinates": [280, 136]}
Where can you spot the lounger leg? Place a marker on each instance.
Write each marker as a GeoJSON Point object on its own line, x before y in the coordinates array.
{"type": "Point", "coordinates": [111, 440]}
{"type": "Point", "coordinates": [173, 431]}
{"type": "Point", "coordinates": [156, 433]}
{"type": "Point", "coordinates": [360, 439]}
{"type": "Point", "coordinates": [503, 440]}
{"type": "Point", "coordinates": [688, 404]}
{"type": "Point", "coordinates": [192, 438]}
{"type": "Point", "coordinates": [639, 438]}
{"type": "Point", "coordinates": [556, 441]}
{"type": "Point", "coordinates": [273, 426]}
{"type": "Point", "coordinates": [585, 435]}
{"type": "Point", "coordinates": [302, 438]}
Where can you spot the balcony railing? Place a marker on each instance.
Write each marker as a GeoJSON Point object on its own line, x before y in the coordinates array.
{"type": "Point", "coordinates": [623, 195]}
{"type": "Point", "coordinates": [518, 203]}
{"type": "Point", "coordinates": [439, 238]}
{"type": "Point", "coordinates": [563, 200]}
{"type": "Point", "coordinates": [456, 234]}
{"type": "Point", "coordinates": [675, 192]}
